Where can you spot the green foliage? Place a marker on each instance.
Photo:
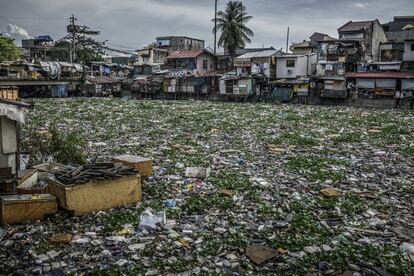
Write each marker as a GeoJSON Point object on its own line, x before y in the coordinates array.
{"type": "Point", "coordinates": [316, 168]}
{"type": "Point", "coordinates": [66, 147]}
{"type": "Point", "coordinates": [8, 50]}
{"type": "Point", "coordinates": [232, 25]}
{"type": "Point", "coordinates": [197, 204]}
{"type": "Point", "coordinates": [231, 180]}
{"type": "Point", "coordinates": [86, 52]}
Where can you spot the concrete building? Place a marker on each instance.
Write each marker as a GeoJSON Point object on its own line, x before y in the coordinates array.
{"type": "Point", "coordinates": [151, 56]}
{"type": "Point", "coordinates": [179, 43]}
{"type": "Point", "coordinates": [369, 34]}
{"type": "Point", "coordinates": [303, 48]}
{"type": "Point", "coordinates": [38, 48]}
{"type": "Point", "coordinates": [295, 66]}
{"type": "Point", "coordinates": [400, 45]}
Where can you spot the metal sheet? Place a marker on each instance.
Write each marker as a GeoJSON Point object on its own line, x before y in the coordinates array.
{"type": "Point", "coordinates": [407, 84]}
{"type": "Point", "coordinates": [366, 83]}
{"type": "Point", "coordinates": [386, 83]}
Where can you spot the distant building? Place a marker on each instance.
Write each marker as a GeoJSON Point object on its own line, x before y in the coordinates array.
{"type": "Point", "coordinates": [151, 56]}
{"type": "Point", "coordinates": [369, 34]}
{"type": "Point", "coordinates": [192, 62]}
{"type": "Point", "coordinates": [179, 43]}
{"type": "Point", "coordinates": [304, 48]}
{"type": "Point", "coordinates": [38, 48]}
{"type": "Point", "coordinates": [400, 45]}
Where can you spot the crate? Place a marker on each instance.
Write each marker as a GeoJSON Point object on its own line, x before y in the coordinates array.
{"type": "Point", "coordinates": [9, 92]}
{"type": "Point", "coordinates": [97, 195]}
{"type": "Point", "coordinates": [141, 164]}
{"type": "Point", "coordinates": [28, 183]}
{"type": "Point", "coordinates": [21, 208]}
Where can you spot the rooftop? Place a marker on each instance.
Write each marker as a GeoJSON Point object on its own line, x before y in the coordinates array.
{"type": "Point", "coordinates": [383, 75]}
{"type": "Point", "coordinates": [261, 54]}
{"type": "Point", "coordinates": [174, 36]}
{"type": "Point", "coordinates": [187, 54]}
{"type": "Point", "coordinates": [355, 26]}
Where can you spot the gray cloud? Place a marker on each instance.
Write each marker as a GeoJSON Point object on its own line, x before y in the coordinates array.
{"type": "Point", "coordinates": [134, 23]}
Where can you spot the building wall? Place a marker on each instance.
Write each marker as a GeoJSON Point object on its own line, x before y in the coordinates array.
{"type": "Point", "coordinates": [304, 66]}
{"type": "Point", "coordinates": [408, 53]}
{"type": "Point", "coordinates": [211, 63]}
{"type": "Point", "coordinates": [378, 37]}
{"type": "Point", "coordinates": [180, 43]}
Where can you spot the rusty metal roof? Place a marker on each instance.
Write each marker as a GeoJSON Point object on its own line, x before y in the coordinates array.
{"type": "Point", "coordinates": [185, 54]}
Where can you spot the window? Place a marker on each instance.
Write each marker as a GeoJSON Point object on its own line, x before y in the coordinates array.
{"type": "Point", "coordinates": [290, 63]}
{"type": "Point", "coordinates": [205, 64]}
{"type": "Point", "coordinates": [412, 46]}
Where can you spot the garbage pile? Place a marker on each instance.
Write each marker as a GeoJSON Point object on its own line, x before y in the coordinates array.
{"type": "Point", "coordinates": [245, 188]}
{"type": "Point", "coordinates": [98, 171]}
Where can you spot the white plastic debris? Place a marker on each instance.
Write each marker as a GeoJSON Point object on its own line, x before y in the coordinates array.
{"type": "Point", "coordinates": [407, 248]}
{"type": "Point", "coordinates": [149, 221]}
{"type": "Point", "coordinates": [197, 172]}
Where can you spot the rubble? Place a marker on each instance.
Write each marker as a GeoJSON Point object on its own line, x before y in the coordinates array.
{"type": "Point", "coordinates": [253, 196]}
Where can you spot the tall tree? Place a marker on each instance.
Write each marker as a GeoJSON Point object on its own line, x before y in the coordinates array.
{"type": "Point", "coordinates": [81, 43]}
{"type": "Point", "coordinates": [232, 23]}
{"type": "Point", "coordinates": [84, 55]}
{"type": "Point", "coordinates": [8, 50]}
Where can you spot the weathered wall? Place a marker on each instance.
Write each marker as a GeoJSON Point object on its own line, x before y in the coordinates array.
{"type": "Point", "coordinates": [378, 37]}
{"type": "Point", "coordinates": [408, 53]}
{"type": "Point", "coordinates": [210, 66]}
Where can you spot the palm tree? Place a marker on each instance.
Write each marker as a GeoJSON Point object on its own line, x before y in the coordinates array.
{"type": "Point", "coordinates": [232, 25]}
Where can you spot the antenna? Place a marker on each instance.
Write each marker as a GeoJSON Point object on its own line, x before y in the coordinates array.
{"type": "Point", "coordinates": [215, 28]}
{"type": "Point", "coordinates": [287, 40]}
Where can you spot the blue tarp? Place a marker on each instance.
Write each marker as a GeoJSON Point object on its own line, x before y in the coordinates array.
{"type": "Point", "coordinates": [59, 91]}
{"type": "Point", "coordinates": [282, 94]}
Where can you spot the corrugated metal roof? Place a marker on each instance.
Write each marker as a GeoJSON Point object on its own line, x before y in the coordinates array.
{"type": "Point", "coordinates": [185, 54]}
{"type": "Point", "coordinates": [355, 26]}
{"type": "Point", "coordinates": [261, 54]}
{"type": "Point", "coordinates": [383, 75]}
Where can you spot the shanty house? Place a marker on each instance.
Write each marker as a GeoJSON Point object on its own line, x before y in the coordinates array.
{"type": "Point", "coordinates": [101, 86]}
{"type": "Point", "coordinates": [369, 34]}
{"type": "Point", "coordinates": [261, 63]}
{"type": "Point", "coordinates": [197, 62]}
{"type": "Point", "coordinates": [369, 84]}
{"type": "Point", "coordinates": [11, 114]}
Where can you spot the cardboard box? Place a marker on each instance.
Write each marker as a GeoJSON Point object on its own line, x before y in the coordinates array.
{"type": "Point", "coordinates": [141, 164]}
{"type": "Point", "coordinates": [21, 208]}
{"type": "Point", "coordinates": [97, 195]}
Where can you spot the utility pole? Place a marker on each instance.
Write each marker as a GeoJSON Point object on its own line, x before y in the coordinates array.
{"type": "Point", "coordinates": [287, 41]}
{"type": "Point", "coordinates": [72, 45]}
{"type": "Point", "coordinates": [215, 28]}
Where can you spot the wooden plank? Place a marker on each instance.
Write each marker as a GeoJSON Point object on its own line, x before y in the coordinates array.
{"type": "Point", "coordinates": [141, 164]}
{"type": "Point", "coordinates": [21, 208]}
{"type": "Point", "coordinates": [97, 195]}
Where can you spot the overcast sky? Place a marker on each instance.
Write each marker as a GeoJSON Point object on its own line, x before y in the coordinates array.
{"type": "Point", "coordinates": [135, 23]}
